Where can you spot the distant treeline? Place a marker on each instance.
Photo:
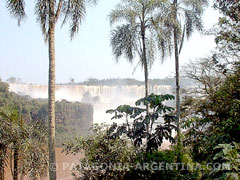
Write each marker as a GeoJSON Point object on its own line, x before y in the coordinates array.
{"type": "Point", "coordinates": [128, 81]}
{"type": "Point", "coordinates": [71, 118]}
{"type": "Point", "coordinates": [120, 82]}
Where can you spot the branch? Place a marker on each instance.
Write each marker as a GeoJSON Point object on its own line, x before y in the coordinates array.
{"type": "Point", "coordinates": [58, 10]}
{"type": "Point", "coordinates": [182, 40]}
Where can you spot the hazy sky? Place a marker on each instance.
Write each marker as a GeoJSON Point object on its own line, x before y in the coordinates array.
{"type": "Point", "coordinates": [24, 54]}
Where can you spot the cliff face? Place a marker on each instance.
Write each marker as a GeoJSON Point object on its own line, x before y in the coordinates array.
{"type": "Point", "coordinates": [101, 97]}
{"type": "Point", "coordinates": [71, 117]}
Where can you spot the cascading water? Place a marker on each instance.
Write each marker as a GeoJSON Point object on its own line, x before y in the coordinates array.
{"type": "Point", "coordinates": [101, 97]}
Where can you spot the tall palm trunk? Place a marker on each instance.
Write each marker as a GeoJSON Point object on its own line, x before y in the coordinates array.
{"type": "Point", "coordinates": [15, 163]}
{"type": "Point", "coordinates": [145, 69]}
{"type": "Point", "coordinates": [51, 93]}
{"type": "Point", "coordinates": [177, 75]}
{"type": "Point", "coordinates": [145, 65]}
{"type": "Point", "coordinates": [144, 58]}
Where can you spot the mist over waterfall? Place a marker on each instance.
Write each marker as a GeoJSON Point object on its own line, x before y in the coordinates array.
{"type": "Point", "coordinates": [101, 97]}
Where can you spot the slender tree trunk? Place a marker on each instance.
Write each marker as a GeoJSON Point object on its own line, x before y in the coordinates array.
{"type": "Point", "coordinates": [15, 163]}
{"type": "Point", "coordinates": [51, 93]}
{"type": "Point", "coordinates": [145, 66]}
{"type": "Point", "coordinates": [177, 75]}
{"type": "Point", "coordinates": [144, 55]}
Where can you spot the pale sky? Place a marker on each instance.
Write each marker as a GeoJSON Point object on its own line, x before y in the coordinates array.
{"type": "Point", "coordinates": [24, 54]}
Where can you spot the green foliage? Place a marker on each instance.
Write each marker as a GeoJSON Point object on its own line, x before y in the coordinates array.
{"type": "Point", "coordinates": [131, 82]}
{"type": "Point", "coordinates": [34, 154]}
{"type": "Point", "coordinates": [228, 35]}
{"type": "Point", "coordinates": [212, 118]}
{"type": "Point", "coordinates": [185, 17]}
{"type": "Point", "coordinates": [228, 158]}
{"type": "Point", "coordinates": [166, 169]}
{"type": "Point", "coordinates": [72, 11]}
{"type": "Point", "coordinates": [24, 143]}
{"type": "Point", "coordinates": [71, 118]}
{"type": "Point", "coordinates": [145, 126]}
{"type": "Point", "coordinates": [107, 158]}
{"type": "Point", "coordinates": [139, 34]}
{"type": "Point", "coordinates": [101, 151]}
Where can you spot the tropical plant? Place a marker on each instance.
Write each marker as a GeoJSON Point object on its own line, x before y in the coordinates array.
{"type": "Point", "coordinates": [104, 158]}
{"type": "Point", "coordinates": [48, 13]}
{"type": "Point", "coordinates": [181, 19]}
{"type": "Point", "coordinates": [211, 116]}
{"type": "Point", "coordinates": [14, 132]}
{"type": "Point", "coordinates": [147, 129]}
{"type": "Point", "coordinates": [4, 143]}
{"type": "Point", "coordinates": [16, 137]}
{"type": "Point", "coordinates": [33, 161]}
{"type": "Point", "coordinates": [227, 157]}
{"type": "Point", "coordinates": [227, 33]}
{"type": "Point", "coordinates": [139, 34]}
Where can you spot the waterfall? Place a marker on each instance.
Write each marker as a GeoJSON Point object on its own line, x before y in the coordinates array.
{"type": "Point", "coordinates": [102, 97]}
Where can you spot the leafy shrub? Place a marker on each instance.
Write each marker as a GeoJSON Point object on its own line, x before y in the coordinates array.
{"type": "Point", "coordinates": [227, 157]}
{"type": "Point", "coordinates": [105, 158]}
{"type": "Point", "coordinates": [146, 126]}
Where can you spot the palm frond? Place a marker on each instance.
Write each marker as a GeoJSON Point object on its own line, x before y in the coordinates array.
{"type": "Point", "coordinates": [16, 9]}
{"type": "Point", "coordinates": [74, 11]}
{"type": "Point", "coordinates": [42, 13]}
{"type": "Point", "coordinates": [192, 21]}
{"type": "Point", "coordinates": [123, 13]}
{"type": "Point", "coordinates": [123, 42]}
{"type": "Point", "coordinates": [182, 39]}
{"type": "Point", "coordinates": [151, 51]}
{"type": "Point", "coordinates": [160, 5]}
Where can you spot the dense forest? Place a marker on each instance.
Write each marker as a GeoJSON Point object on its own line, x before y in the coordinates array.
{"type": "Point", "coordinates": [71, 118]}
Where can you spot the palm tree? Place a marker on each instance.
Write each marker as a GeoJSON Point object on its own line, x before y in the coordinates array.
{"type": "Point", "coordinates": [23, 143]}
{"type": "Point", "coordinates": [138, 34]}
{"type": "Point", "coordinates": [182, 18]}
{"type": "Point", "coordinates": [34, 153]}
{"type": "Point", "coordinates": [12, 129]}
{"type": "Point", "coordinates": [48, 13]}
{"type": "Point", "coordinates": [4, 142]}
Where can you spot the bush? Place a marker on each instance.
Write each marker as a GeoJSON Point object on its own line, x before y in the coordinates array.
{"type": "Point", "coordinates": [105, 158]}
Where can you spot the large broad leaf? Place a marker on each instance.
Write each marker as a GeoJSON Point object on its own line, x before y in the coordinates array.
{"type": "Point", "coordinates": [138, 121]}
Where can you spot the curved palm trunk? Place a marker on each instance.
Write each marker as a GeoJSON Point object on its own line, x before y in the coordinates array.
{"type": "Point", "coordinates": [51, 94]}
{"type": "Point", "coordinates": [177, 75]}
